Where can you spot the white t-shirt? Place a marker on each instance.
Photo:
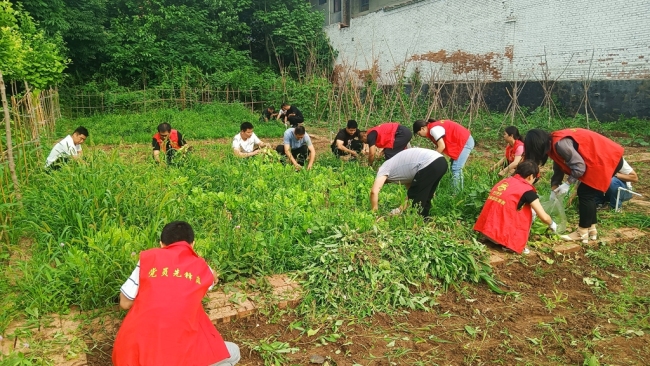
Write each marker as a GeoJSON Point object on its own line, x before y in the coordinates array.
{"type": "Point", "coordinates": [245, 146]}
{"type": "Point", "coordinates": [403, 167]}
{"type": "Point", "coordinates": [626, 169]}
{"type": "Point", "coordinates": [437, 132]}
{"type": "Point", "coordinates": [65, 147]}
{"type": "Point", "coordinates": [131, 287]}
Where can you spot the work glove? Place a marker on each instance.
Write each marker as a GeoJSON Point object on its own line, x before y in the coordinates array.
{"type": "Point", "coordinates": [553, 227]}
{"type": "Point", "coordinates": [562, 189]}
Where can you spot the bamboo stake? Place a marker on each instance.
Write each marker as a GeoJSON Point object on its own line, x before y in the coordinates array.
{"type": "Point", "coordinates": [10, 153]}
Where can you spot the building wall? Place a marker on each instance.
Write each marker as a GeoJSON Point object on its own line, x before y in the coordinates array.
{"type": "Point", "coordinates": [497, 40]}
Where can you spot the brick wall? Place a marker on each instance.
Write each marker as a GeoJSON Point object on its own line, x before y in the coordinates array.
{"type": "Point", "coordinates": [500, 40]}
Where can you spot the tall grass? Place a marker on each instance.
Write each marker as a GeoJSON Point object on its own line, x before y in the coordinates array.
{"type": "Point", "coordinates": [203, 122]}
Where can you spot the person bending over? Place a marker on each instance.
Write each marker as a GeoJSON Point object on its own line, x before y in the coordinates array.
{"type": "Point", "coordinates": [392, 137]}
{"type": "Point", "coordinates": [347, 141]}
{"type": "Point", "coordinates": [419, 170]}
{"type": "Point", "coordinates": [246, 144]}
{"type": "Point", "coordinates": [514, 153]}
{"type": "Point", "coordinates": [450, 139]}
{"type": "Point", "coordinates": [297, 147]}
{"type": "Point", "coordinates": [167, 140]}
{"type": "Point", "coordinates": [507, 215]}
{"type": "Point", "coordinates": [291, 115]}
{"type": "Point", "coordinates": [585, 156]}
{"type": "Point", "coordinates": [166, 323]}
{"type": "Point", "coordinates": [69, 147]}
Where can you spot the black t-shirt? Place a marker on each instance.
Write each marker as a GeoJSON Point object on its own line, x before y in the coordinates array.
{"type": "Point", "coordinates": [156, 145]}
{"type": "Point", "coordinates": [266, 114]}
{"type": "Point", "coordinates": [294, 110]}
{"type": "Point", "coordinates": [372, 138]}
{"type": "Point", "coordinates": [527, 198]}
{"type": "Point", "coordinates": [345, 137]}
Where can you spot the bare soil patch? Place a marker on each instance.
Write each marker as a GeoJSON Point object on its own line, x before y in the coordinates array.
{"type": "Point", "coordinates": [557, 315]}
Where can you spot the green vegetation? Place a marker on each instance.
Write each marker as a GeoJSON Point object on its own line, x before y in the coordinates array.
{"type": "Point", "coordinates": [88, 221]}
{"type": "Point", "coordinates": [142, 44]}
{"type": "Point", "coordinates": [204, 122]}
{"type": "Point", "coordinates": [26, 53]}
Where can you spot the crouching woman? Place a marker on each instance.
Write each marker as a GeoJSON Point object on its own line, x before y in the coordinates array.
{"type": "Point", "coordinates": [507, 215]}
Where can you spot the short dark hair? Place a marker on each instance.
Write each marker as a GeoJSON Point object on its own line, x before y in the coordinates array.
{"type": "Point", "coordinates": [300, 130]}
{"type": "Point", "coordinates": [537, 144]}
{"type": "Point", "coordinates": [164, 127]}
{"type": "Point", "coordinates": [81, 130]}
{"type": "Point", "coordinates": [284, 105]}
{"type": "Point", "coordinates": [352, 124]}
{"type": "Point", "coordinates": [417, 125]}
{"type": "Point", "coordinates": [431, 120]}
{"type": "Point", "coordinates": [271, 108]}
{"type": "Point", "coordinates": [514, 132]}
{"type": "Point", "coordinates": [246, 126]}
{"type": "Point", "coordinates": [526, 168]}
{"type": "Point", "coordinates": [177, 231]}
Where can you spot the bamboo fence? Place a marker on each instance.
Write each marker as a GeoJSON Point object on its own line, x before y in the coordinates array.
{"type": "Point", "coordinates": [31, 117]}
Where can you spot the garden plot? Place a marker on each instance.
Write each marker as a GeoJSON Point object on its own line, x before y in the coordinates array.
{"type": "Point", "coordinates": [254, 219]}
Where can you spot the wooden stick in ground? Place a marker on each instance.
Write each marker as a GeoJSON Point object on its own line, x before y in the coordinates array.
{"type": "Point", "coordinates": [10, 152]}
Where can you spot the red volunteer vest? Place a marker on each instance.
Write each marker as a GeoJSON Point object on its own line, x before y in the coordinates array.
{"type": "Point", "coordinates": [500, 220]}
{"type": "Point", "coordinates": [167, 324]}
{"type": "Point", "coordinates": [385, 134]}
{"type": "Point", "coordinates": [601, 156]}
{"type": "Point", "coordinates": [173, 139]}
{"type": "Point", "coordinates": [510, 151]}
{"type": "Point", "coordinates": [456, 137]}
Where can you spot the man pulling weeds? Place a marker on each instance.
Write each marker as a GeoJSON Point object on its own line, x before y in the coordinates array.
{"type": "Point", "coordinates": [166, 323]}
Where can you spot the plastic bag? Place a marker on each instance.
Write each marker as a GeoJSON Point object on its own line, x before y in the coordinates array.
{"type": "Point", "coordinates": [555, 208]}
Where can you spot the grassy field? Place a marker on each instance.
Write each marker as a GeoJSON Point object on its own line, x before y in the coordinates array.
{"type": "Point", "coordinates": [77, 236]}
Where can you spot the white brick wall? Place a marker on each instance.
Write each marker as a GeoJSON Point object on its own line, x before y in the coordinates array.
{"type": "Point", "coordinates": [559, 32]}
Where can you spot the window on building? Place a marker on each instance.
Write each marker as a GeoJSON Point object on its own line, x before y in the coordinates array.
{"type": "Point", "coordinates": [337, 6]}
{"type": "Point", "coordinates": [321, 2]}
{"type": "Point", "coordinates": [365, 5]}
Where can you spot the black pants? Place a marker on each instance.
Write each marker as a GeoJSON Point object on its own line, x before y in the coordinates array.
{"type": "Point", "coordinates": [403, 136]}
{"type": "Point", "coordinates": [425, 183]}
{"type": "Point", "coordinates": [294, 120]}
{"type": "Point", "coordinates": [587, 201]}
{"type": "Point", "coordinates": [300, 154]}
{"type": "Point", "coordinates": [587, 205]}
{"type": "Point", "coordinates": [58, 163]}
{"type": "Point", "coordinates": [354, 145]}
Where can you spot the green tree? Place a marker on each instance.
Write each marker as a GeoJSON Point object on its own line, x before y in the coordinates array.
{"type": "Point", "coordinates": [287, 33]}
{"type": "Point", "coordinates": [148, 37]}
{"type": "Point", "coordinates": [26, 53]}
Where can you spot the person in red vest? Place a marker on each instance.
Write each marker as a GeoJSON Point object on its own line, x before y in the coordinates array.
{"type": "Point", "coordinates": [450, 139]}
{"type": "Point", "coordinates": [514, 151]}
{"type": "Point", "coordinates": [585, 156]}
{"type": "Point", "coordinates": [507, 215]}
{"type": "Point", "coordinates": [391, 137]}
{"type": "Point", "coordinates": [168, 141]}
{"type": "Point", "coordinates": [166, 323]}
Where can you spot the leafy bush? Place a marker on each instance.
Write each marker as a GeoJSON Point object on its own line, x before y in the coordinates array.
{"type": "Point", "coordinates": [377, 271]}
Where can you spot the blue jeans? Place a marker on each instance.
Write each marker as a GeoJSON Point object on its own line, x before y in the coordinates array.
{"type": "Point", "coordinates": [235, 356]}
{"type": "Point", "coordinates": [612, 191]}
{"type": "Point", "coordinates": [458, 164]}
